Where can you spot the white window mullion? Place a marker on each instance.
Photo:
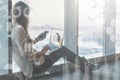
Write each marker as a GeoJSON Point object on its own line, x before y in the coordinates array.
{"type": "Point", "coordinates": [109, 27]}
{"type": "Point", "coordinates": [71, 25]}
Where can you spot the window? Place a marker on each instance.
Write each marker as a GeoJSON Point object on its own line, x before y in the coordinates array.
{"type": "Point", "coordinates": [91, 28]}
{"type": "Point", "coordinates": [98, 26]}
{"type": "Point", "coordinates": [46, 15]}
{"type": "Point", "coordinates": [49, 14]}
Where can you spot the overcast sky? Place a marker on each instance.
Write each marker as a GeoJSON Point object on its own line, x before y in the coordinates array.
{"type": "Point", "coordinates": [52, 12]}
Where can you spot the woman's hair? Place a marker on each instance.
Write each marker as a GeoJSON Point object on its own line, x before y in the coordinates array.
{"type": "Point", "coordinates": [20, 14]}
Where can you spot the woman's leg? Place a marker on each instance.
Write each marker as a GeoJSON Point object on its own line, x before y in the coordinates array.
{"type": "Point", "coordinates": [49, 61]}
{"type": "Point", "coordinates": [71, 57]}
{"type": "Point", "coordinates": [65, 53]}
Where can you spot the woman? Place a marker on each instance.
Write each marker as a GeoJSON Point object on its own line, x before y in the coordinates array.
{"type": "Point", "coordinates": [25, 56]}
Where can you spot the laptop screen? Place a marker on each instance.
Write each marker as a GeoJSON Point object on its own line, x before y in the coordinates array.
{"type": "Point", "coordinates": [56, 37]}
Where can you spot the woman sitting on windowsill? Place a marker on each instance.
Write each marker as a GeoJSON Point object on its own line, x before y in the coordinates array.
{"type": "Point", "coordinates": [25, 56]}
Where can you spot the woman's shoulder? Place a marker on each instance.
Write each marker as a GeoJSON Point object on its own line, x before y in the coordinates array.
{"type": "Point", "coordinates": [18, 28]}
{"type": "Point", "coordinates": [18, 33]}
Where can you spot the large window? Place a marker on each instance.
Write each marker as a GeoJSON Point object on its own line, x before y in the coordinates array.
{"type": "Point", "coordinates": [98, 28]}
{"type": "Point", "coordinates": [91, 28]}
{"type": "Point", "coordinates": [49, 15]}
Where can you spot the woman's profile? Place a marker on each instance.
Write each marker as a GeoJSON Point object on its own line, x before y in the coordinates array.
{"type": "Point", "coordinates": [25, 56]}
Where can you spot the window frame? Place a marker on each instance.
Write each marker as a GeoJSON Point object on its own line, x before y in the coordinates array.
{"type": "Point", "coordinates": [98, 59]}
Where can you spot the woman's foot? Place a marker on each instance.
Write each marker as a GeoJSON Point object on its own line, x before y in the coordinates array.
{"type": "Point", "coordinates": [92, 67]}
{"type": "Point", "coordinates": [89, 67]}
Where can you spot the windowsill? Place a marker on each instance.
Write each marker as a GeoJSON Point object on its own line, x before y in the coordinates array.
{"type": "Point", "coordinates": [90, 56]}
{"type": "Point", "coordinates": [109, 59]}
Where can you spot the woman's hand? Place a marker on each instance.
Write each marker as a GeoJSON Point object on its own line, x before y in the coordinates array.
{"type": "Point", "coordinates": [42, 52]}
{"type": "Point", "coordinates": [38, 54]}
{"type": "Point", "coordinates": [32, 57]}
{"type": "Point", "coordinates": [43, 35]}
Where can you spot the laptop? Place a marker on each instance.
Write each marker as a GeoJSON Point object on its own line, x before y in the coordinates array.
{"type": "Point", "coordinates": [54, 39]}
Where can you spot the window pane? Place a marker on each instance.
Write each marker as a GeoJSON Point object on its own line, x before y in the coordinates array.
{"type": "Point", "coordinates": [117, 26]}
{"type": "Point", "coordinates": [91, 28]}
{"type": "Point", "coordinates": [47, 15]}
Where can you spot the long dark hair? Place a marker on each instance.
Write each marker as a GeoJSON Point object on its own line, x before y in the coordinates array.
{"type": "Point", "coordinates": [20, 13]}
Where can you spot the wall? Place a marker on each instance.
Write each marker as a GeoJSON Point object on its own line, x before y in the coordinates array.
{"type": "Point", "coordinates": [3, 36]}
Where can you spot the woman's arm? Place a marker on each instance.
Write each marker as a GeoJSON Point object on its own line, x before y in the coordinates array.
{"type": "Point", "coordinates": [41, 37]}
{"type": "Point", "coordinates": [24, 45]}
